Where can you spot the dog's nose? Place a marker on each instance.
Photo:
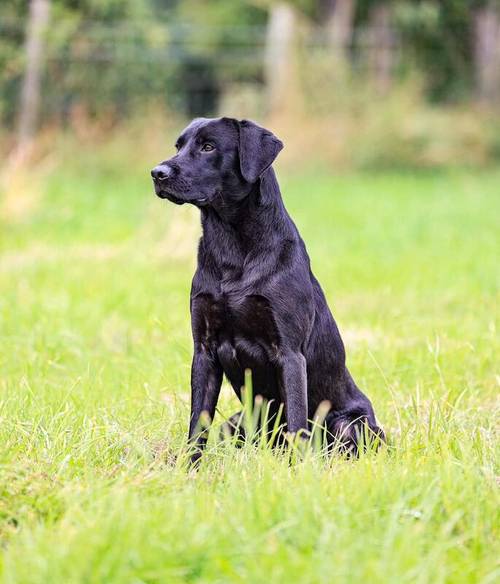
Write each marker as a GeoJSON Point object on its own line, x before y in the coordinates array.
{"type": "Point", "coordinates": [161, 172]}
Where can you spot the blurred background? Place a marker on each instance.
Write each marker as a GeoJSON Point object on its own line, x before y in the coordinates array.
{"type": "Point", "coordinates": [382, 83]}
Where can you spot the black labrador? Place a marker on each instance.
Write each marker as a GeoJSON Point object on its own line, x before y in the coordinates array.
{"type": "Point", "coordinates": [255, 304]}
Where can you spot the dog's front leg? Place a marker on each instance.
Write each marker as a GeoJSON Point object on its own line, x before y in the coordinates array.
{"type": "Point", "coordinates": [206, 379]}
{"type": "Point", "coordinates": [293, 377]}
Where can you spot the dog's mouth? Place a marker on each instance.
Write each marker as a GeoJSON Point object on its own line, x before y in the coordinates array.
{"type": "Point", "coordinates": [164, 193]}
{"type": "Point", "coordinates": [170, 197]}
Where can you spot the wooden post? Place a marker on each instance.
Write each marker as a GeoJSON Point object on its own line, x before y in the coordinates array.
{"type": "Point", "coordinates": [339, 25]}
{"type": "Point", "coordinates": [381, 47]}
{"type": "Point", "coordinates": [30, 91]}
{"type": "Point", "coordinates": [279, 57]}
{"type": "Point", "coordinates": [487, 53]}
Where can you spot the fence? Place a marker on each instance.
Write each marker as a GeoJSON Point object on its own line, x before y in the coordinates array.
{"type": "Point", "coordinates": [108, 69]}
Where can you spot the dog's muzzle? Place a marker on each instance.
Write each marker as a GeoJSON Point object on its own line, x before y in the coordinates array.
{"type": "Point", "coordinates": [161, 175]}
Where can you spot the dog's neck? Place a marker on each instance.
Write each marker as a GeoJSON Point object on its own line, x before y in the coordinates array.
{"type": "Point", "coordinates": [254, 212]}
{"type": "Point", "coordinates": [257, 224]}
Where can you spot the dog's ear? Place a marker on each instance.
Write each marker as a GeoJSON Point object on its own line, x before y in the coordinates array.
{"type": "Point", "coordinates": [258, 149]}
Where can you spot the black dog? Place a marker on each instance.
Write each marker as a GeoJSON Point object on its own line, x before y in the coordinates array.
{"type": "Point", "coordinates": [255, 303]}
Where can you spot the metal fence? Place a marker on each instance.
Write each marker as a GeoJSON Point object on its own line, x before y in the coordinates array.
{"type": "Point", "coordinates": [111, 68]}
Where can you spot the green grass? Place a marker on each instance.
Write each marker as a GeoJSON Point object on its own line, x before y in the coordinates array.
{"type": "Point", "coordinates": [95, 354]}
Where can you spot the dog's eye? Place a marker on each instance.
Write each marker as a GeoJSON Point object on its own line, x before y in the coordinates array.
{"type": "Point", "coordinates": [207, 148]}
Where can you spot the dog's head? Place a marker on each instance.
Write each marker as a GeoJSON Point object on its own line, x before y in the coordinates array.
{"type": "Point", "coordinates": [215, 158]}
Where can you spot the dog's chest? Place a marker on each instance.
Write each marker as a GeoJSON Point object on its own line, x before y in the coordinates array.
{"type": "Point", "coordinates": [233, 318]}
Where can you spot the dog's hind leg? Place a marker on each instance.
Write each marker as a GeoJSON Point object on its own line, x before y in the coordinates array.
{"type": "Point", "coordinates": [353, 430]}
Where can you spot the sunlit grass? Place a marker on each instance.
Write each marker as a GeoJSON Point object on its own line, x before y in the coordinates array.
{"type": "Point", "coordinates": [95, 354]}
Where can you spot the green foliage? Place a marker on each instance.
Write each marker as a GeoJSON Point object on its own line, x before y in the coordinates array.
{"type": "Point", "coordinates": [12, 15]}
{"type": "Point", "coordinates": [439, 38]}
{"type": "Point", "coordinates": [104, 57]}
{"type": "Point", "coordinates": [84, 65]}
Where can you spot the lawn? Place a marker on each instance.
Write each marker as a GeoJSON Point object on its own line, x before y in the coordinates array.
{"type": "Point", "coordinates": [94, 389]}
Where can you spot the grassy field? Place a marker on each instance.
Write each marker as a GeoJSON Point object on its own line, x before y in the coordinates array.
{"type": "Point", "coordinates": [94, 389]}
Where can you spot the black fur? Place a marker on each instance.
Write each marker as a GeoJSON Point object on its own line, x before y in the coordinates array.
{"type": "Point", "coordinates": [255, 303]}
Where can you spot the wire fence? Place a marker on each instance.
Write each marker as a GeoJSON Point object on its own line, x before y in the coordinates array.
{"type": "Point", "coordinates": [112, 67]}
